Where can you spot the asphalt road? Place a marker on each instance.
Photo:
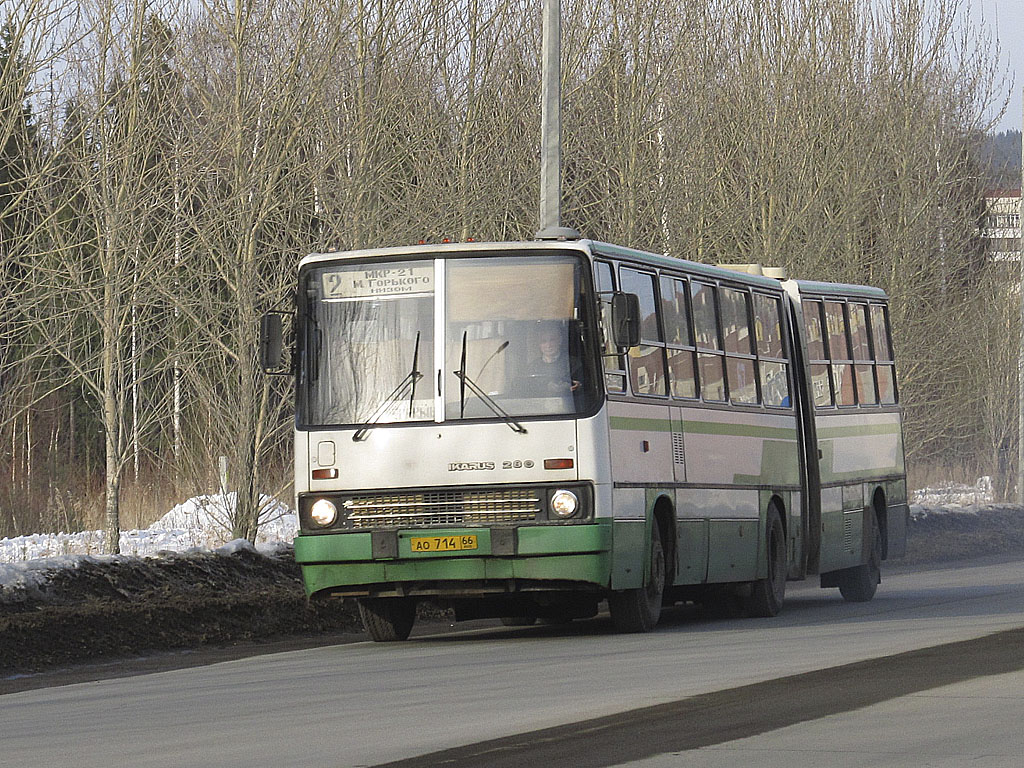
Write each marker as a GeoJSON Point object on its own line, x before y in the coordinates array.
{"type": "Point", "coordinates": [575, 695]}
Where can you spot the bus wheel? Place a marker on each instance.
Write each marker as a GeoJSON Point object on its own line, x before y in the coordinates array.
{"type": "Point", "coordinates": [767, 594]}
{"type": "Point", "coordinates": [859, 584]}
{"type": "Point", "coordinates": [638, 610]}
{"type": "Point", "coordinates": [388, 618]}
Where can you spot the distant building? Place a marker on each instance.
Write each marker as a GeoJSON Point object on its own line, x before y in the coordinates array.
{"type": "Point", "coordinates": [1000, 227]}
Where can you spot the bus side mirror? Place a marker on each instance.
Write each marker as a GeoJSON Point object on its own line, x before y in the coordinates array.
{"type": "Point", "coordinates": [272, 343]}
{"type": "Point", "coordinates": [625, 319]}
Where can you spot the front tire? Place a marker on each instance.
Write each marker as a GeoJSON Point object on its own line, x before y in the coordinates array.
{"type": "Point", "coordinates": [767, 594]}
{"type": "Point", "coordinates": [859, 584]}
{"type": "Point", "coordinates": [388, 619]}
{"type": "Point", "coordinates": [638, 610]}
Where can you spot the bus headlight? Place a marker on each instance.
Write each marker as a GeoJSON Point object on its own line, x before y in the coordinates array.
{"type": "Point", "coordinates": [564, 503]}
{"type": "Point", "coordinates": [323, 512]}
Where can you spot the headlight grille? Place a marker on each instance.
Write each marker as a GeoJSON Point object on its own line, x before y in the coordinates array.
{"type": "Point", "coordinates": [449, 507]}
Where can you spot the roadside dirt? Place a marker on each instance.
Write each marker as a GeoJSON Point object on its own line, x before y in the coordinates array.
{"type": "Point", "coordinates": [104, 609]}
{"type": "Point", "coordinates": [937, 535]}
{"type": "Point", "coordinates": [141, 607]}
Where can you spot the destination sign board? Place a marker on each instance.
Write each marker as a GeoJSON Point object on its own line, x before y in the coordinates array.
{"type": "Point", "coordinates": [378, 282]}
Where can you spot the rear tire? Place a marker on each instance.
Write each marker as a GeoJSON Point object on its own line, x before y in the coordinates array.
{"type": "Point", "coordinates": [638, 610]}
{"type": "Point", "coordinates": [767, 594]}
{"type": "Point", "coordinates": [859, 584]}
{"type": "Point", "coordinates": [388, 619]}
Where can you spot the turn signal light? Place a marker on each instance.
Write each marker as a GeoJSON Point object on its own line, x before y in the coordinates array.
{"type": "Point", "coordinates": [325, 474]}
{"type": "Point", "coordinates": [558, 464]}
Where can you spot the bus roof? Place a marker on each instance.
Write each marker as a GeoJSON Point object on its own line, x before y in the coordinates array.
{"type": "Point", "coordinates": [839, 289]}
{"type": "Point", "coordinates": [600, 249]}
{"type": "Point", "coordinates": [585, 246]}
{"type": "Point", "coordinates": [428, 249]}
{"type": "Point", "coordinates": [669, 262]}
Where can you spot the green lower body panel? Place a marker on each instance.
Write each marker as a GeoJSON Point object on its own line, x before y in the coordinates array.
{"type": "Point", "coordinates": [342, 562]}
{"type": "Point", "coordinates": [632, 540]}
{"type": "Point", "coordinates": [692, 561]}
{"type": "Point", "coordinates": [733, 548]}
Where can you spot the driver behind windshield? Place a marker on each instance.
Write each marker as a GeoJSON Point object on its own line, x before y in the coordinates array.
{"type": "Point", "coordinates": [552, 372]}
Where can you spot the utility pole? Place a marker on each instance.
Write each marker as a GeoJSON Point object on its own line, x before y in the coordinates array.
{"type": "Point", "coordinates": [1020, 355]}
{"type": "Point", "coordinates": [551, 127]}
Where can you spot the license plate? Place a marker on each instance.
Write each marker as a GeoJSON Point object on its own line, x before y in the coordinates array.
{"type": "Point", "coordinates": [442, 543]}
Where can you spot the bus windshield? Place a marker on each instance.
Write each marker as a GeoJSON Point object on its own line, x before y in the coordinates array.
{"type": "Point", "coordinates": [517, 341]}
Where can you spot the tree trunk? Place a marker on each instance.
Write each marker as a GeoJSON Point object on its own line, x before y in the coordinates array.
{"type": "Point", "coordinates": [111, 421]}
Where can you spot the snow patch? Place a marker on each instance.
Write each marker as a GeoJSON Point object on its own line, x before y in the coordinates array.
{"type": "Point", "coordinates": [236, 545]}
{"type": "Point", "coordinates": [954, 494]}
{"type": "Point", "coordinates": [200, 524]}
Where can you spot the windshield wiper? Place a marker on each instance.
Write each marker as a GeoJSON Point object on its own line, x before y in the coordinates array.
{"type": "Point", "coordinates": [461, 373]}
{"type": "Point", "coordinates": [414, 373]}
{"type": "Point", "coordinates": [396, 394]}
{"type": "Point", "coordinates": [465, 381]}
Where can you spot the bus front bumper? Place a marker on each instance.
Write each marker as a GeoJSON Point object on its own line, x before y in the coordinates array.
{"type": "Point", "coordinates": [525, 558]}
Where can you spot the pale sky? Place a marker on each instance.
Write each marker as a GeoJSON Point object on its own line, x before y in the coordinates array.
{"type": "Point", "coordinates": [1006, 18]}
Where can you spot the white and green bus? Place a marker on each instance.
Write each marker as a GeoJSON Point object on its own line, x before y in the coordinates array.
{"type": "Point", "coordinates": [525, 430]}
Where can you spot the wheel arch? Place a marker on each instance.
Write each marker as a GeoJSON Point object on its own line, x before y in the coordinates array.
{"type": "Point", "coordinates": [772, 499]}
{"type": "Point", "coordinates": [881, 508]}
{"type": "Point", "coordinates": [779, 503]}
{"type": "Point", "coordinates": [663, 515]}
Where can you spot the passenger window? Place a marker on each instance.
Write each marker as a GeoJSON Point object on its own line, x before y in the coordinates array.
{"type": "Point", "coordinates": [882, 345]}
{"type": "Point", "coordinates": [771, 351]}
{"type": "Point", "coordinates": [735, 322]}
{"type": "Point", "coordinates": [646, 361]}
{"type": "Point", "coordinates": [710, 366]}
{"type": "Point", "coordinates": [741, 375]}
{"type": "Point", "coordinates": [839, 353]}
{"type": "Point", "coordinates": [838, 348]}
{"type": "Point", "coordinates": [821, 385]}
{"type": "Point", "coordinates": [842, 382]}
{"type": "Point", "coordinates": [742, 381]}
{"type": "Point", "coordinates": [859, 332]}
{"type": "Point", "coordinates": [767, 326]}
{"type": "Point", "coordinates": [642, 285]}
{"type": "Point", "coordinates": [674, 314]}
{"type": "Point", "coordinates": [774, 384]}
{"type": "Point", "coordinates": [813, 326]}
{"type": "Point", "coordinates": [886, 385]}
{"type": "Point", "coordinates": [614, 367]}
{"type": "Point", "coordinates": [821, 378]}
{"type": "Point", "coordinates": [863, 371]}
{"type": "Point", "coordinates": [712, 376]}
{"type": "Point", "coordinates": [680, 373]}
{"type": "Point", "coordinates": [647, 370]}
{"type": "Point", "coordinates": [679, 341]}
{"type": "Point", "coordinates": [705, 327]}
{"type": "Point", "coordinates": [880, 332]}
{"type": "Point", "coordinates": [865, 375]}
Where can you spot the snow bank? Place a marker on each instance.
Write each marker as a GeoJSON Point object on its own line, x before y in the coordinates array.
{"type": "Point", "coordinates": [25, 576]}
{"type": "Point", "coordinates": [954, 494]}
{"type": "Point", "coordinates": [204, 521]}
{"type": "Point", "coordinates": [201, 523]}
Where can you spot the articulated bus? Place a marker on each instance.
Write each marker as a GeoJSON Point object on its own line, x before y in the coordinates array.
{"type": "Point", "coordinates": [526, 430]}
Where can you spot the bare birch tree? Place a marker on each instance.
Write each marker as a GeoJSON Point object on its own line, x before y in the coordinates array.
{"type": "Point", "coordinates": [95, 304]}
{"type": "Point", "coordinates": [255, 70]}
